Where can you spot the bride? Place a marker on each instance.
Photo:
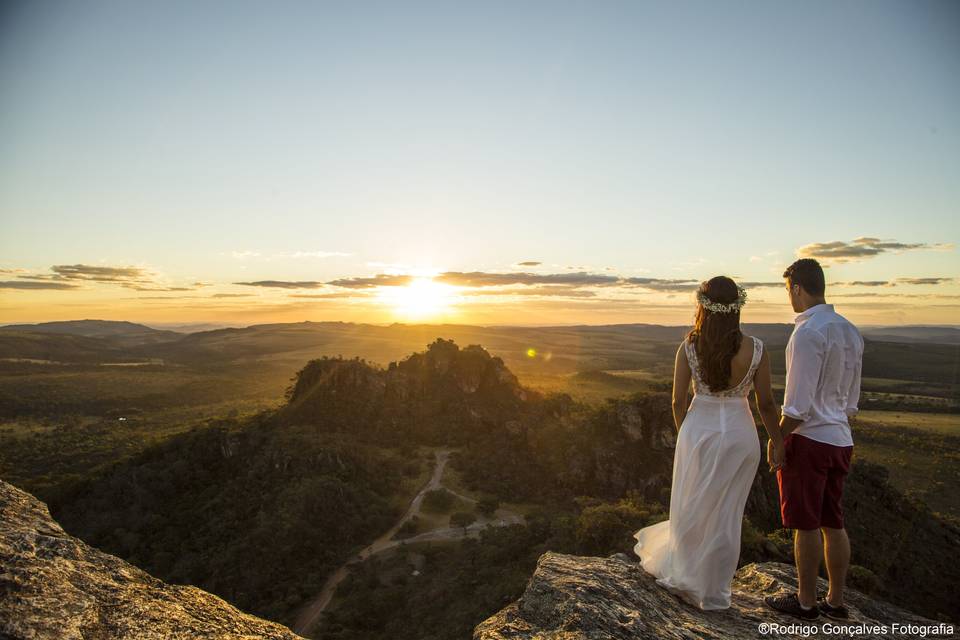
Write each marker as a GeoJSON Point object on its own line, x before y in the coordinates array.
{"type": "Point", "coordinates": [694, 554]}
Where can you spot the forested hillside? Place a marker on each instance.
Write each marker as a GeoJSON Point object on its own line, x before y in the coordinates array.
{"type": "Point", "coordinates": [258, 510]}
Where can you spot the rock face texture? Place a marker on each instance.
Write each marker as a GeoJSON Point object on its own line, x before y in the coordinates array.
{"type": "Point", "coordinates": [573, 597]}
{"type": "Point", "coordinates": [55, 586]}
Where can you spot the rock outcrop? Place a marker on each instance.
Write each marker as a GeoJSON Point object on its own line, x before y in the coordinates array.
{"type": "Point", "coordinates": [55, 586]}
{"type": "Point", "coordinates": [434, 394]}
{"type": "Point", "coordinates": [573, 598]}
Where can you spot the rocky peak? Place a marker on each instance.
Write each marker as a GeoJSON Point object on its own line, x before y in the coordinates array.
{"type": "Point", "coordinates": [333, 375]}
{"type": "Point", "coordinates": [466, 385]}
{"type": "Point", "coordinates": [469, 370]}
{"type": "Point", "coordinates": [55, 586]}
{"type": "Point", "coordinates": [575, 597]}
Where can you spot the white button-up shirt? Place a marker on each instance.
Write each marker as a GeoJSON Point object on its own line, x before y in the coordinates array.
{"type": "Point", "coordinates": [824, 360]}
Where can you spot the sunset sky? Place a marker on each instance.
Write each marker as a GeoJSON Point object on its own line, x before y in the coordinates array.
{"type": "Point", "coordinates": [483, 163]}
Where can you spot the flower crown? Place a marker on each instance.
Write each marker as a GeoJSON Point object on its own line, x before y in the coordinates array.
{"type": "Point", "coordinates": [718, 307]}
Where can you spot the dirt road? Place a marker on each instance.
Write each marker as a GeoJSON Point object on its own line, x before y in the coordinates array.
{"type": "Point", "coordinates": [311, 614]}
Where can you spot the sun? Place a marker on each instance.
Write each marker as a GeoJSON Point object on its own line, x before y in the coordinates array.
{"type": "Point", "coordinates": [422, 298]}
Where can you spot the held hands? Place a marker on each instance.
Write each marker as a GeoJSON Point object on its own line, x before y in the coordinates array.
{"type": "Point", "coordinates": [775, 456]}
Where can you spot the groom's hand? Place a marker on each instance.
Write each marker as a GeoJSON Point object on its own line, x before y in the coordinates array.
{"type": "Point", "coordinates": [775, 456]}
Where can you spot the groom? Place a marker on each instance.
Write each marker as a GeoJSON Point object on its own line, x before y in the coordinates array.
{"type": "Point", "coordinates": [824, 358]}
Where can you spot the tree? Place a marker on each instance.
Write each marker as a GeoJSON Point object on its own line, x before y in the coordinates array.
{"type": "Point", "coordinates": [488, 505]}
{"type": "Point", "coordinates": [462, 519]}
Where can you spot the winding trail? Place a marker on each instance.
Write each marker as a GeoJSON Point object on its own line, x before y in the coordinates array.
{"type": "Point", "coordinates": [308, 618]}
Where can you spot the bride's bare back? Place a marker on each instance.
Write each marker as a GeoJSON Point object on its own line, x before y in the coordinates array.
{"type": "Point", "coordinates": [740, 363]}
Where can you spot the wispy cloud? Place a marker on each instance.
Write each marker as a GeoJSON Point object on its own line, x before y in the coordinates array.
{"type": "Point", "coordinates": [920, 281]}
{"type": "Point", "coordinates": [283, 284]}
{"type": "Point", "coordinates": [379, 280]}
{"type": "Point", "coordinates": [163, 297]}
{"type": "Point", "coordinates": [72, 276]}
{"type": "Point", "coordinates": [335, 294]}
{"type": "Point", "coordinates": [862, 249]}
{"type": "Point", "coordinates": [523, 283]}
{"type": "Point", "coordinates": [486, 279]}
{"type": "Point", "coordinates": [923, 296]}
{"type": "Point", "coordinates": [893, 283]}
{"type": "Point", "coordinates": [101, 274]}
{"type": "Point", "coordinates": [566, 292]}
{"type": "Point", "coordinates": [864, 283]}
{"type": "Point", "coordinates": [663, 284]}
{"type": "Point", "coordinates": [40, 284]}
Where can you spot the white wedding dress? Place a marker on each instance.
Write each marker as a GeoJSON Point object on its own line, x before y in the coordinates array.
{"type": "Point", "coordinates": [694, 554]}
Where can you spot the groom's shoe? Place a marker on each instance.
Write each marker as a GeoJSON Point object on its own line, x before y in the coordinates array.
{"type": "Point", "coordinates": [827, 609]}
{"type": "Point", "coordinates": [791, 604]}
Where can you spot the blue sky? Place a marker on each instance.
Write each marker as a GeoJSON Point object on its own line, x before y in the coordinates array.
{"type": "Point", "coordinates": [226, 142]}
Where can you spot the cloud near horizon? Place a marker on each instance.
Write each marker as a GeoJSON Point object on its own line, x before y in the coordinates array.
{"type": "Point", "coordinates": [488, 279]}
{"type": "Point", "coordinates": [569, 292]}
{"type": "Point", "coordinates": [920, 281]}
{"type": "Point", "coordinates": [70, 276]}
{"type": "Point", "coordinates": [337, 294]}
{"type": "Point", "coordinates": [893, 283]}
{"type": "Point", "coordinates": [862, 249]}
{"type": "Point", "coordinates": [579, 285]}
{"type": "Point", "coordinates": [33, 285]}
{"type": "Point", "coordinates": [283, 284]}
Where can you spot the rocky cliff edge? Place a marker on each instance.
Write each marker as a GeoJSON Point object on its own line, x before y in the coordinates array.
{"type": "Point", "coordinates": [580, 598]}
{"type": "Point", "coordinates": [53, 585]}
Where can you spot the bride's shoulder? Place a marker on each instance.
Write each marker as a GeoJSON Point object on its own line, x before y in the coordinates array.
{"type": "Point", "coordinates": [757, 344]}
{"type": "Point", "coordinates": [754, 340]}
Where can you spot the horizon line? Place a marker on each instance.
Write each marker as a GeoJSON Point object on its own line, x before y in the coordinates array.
{"type": "Point", "coordinates": [166, 325]}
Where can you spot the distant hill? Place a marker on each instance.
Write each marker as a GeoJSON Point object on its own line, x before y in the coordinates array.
{"type": "Point", "coordinates": [922, 334]}
{"type": "Point", "coordinates": [189, 327]}
{"type": "Point", "coordinates": [551, 350]}
{"type": "Point", "coordinates": [20, 344]}
{"type": "Point", "coordinates": [120, 333]}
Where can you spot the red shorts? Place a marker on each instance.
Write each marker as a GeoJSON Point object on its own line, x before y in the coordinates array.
{"type": "Point", "coordinates": [811, 483]}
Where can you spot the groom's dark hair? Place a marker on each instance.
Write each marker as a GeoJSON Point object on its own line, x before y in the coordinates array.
{"type": "Point", "coordinates": [807, 273]}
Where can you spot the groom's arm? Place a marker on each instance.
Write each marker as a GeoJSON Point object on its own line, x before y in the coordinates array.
{"type": "Point", "coordinates": [788, 424]}
{"type": "Point", "coordinates": [805, 357]}
{"type": "Point", "coordinates": [853, 393]}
